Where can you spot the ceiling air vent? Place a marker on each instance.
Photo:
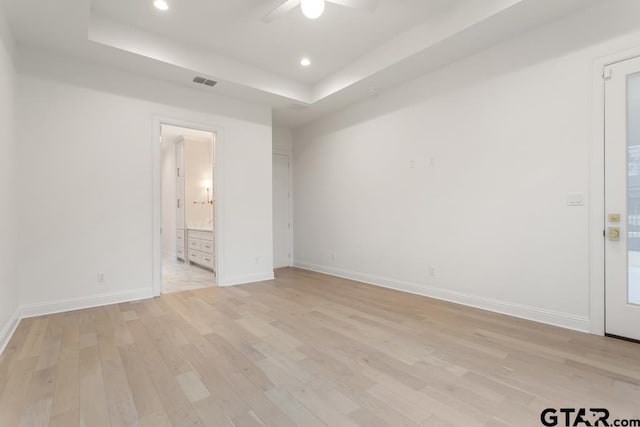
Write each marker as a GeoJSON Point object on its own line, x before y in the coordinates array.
{"type": "Point", "coordinates": [204, 81]}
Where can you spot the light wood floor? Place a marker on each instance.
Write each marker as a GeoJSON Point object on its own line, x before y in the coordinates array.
{"type": "Point", "coordinates": [308, 350]}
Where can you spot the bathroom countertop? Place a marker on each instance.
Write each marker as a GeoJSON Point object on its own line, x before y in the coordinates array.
{"type": "Point", "coordinates": [202, 228]}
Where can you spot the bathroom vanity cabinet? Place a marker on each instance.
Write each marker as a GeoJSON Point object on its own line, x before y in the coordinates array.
{"type": "Point", "coordinates": [201, 248]}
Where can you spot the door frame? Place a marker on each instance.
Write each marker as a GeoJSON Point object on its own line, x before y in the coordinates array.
{"type": "Point", "coordinates": [156, 181]}
{"type": "Point", "coordinates": [597, 215]}
{"type": "Point", "coordinates": [290, 238]}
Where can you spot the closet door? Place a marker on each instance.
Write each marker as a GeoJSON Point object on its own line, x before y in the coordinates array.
{"type": "Point", "coordinates": [180, 203]}
{"type": "Point", "coordinates": [180, 159]}
{"type": "Point", "coordinates": [281, 219]}
{"type": "Point", "coordinates": [180, 185]}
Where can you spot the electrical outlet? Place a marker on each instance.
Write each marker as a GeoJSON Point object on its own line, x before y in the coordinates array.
{"type": "Point", "coordinates": [100, 277]}
{"type": "Point", "coordinates": [257, 260]}
{"type": "Point", "coordinates": [333, 256]}
{"type": "Point", "coordinates": [432, 270]}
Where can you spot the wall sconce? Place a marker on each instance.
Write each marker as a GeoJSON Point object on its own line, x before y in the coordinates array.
{"type": "Point", "coordinates": [208, 201]}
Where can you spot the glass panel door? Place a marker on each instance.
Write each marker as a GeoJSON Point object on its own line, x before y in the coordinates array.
{"type": "Point", "coordinates": [622, 199]}
{"type": "Point", "coordinates": [633, 187]}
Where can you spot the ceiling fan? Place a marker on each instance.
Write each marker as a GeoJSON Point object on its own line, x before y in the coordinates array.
{"type": "Point", "coordinates": [313, 9]}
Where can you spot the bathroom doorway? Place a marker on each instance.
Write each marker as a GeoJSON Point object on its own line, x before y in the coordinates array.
{"type": "Point", "coordinates": [188, 177]}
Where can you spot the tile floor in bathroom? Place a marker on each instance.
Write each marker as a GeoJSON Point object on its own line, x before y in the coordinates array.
{"type": "Point", "coordinates": [180, 276]}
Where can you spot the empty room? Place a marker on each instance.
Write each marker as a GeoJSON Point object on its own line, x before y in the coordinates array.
{"type": "Point", "coordinates": [319, 213]}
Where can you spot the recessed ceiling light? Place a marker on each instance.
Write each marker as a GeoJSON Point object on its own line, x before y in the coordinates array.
{"type": "Point", "coordinates": [305, 62]}
{"type": "Point", "coordinates": [161, 5]}
{"type": "Point", "coordinates": [312, 9]}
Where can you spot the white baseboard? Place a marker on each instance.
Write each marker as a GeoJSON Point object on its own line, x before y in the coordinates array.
{"type": "Point", "coordinates": [555, 318]}
{"type": "Point", "coordinates": [246, 278]}
{"type": "Point", "coordinates": [8, 329]}
{"type": "Point", "coordinates": [70, 304]}
{"type": "Point", "coordinates": [42, 309]}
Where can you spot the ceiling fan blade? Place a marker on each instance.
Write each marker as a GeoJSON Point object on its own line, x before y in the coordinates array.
{"type": "Point", "coordinates": [368, 5]}
{"type": "Point", "coordinates": [283, 8]}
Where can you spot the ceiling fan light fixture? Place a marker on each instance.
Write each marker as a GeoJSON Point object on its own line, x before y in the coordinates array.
{"type": "Point", "coordinates": [312, 9]}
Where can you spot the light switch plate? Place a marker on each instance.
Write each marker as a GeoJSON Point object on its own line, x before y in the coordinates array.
{"type": "Point", "coordinates": [575, 199]}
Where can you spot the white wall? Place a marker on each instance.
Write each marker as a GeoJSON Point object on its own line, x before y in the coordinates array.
{"type": "Point", "coordinates": [8, 206]}
{"type": "Point", "coordinates": [467, 170]}
{"type": "Point", "coordinates": [282, 138]}
{"type": "Point", "coordinates": [85, 137]}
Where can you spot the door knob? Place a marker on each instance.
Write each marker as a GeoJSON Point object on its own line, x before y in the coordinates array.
{"type": "Point", "coordinates": [613, 234]}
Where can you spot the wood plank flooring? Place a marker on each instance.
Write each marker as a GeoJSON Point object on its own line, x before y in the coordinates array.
{"type": "Point", "coordinates": [305, 350]}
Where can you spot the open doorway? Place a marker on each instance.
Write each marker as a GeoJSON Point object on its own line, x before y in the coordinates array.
{"type": "Point", "coordinates": [188, 165]}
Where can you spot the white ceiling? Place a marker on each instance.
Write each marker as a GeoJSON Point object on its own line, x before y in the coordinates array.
{"type": "Point", "coordinates": [351, 50]}
{"type": "Point", "coordinates": [233, 28]}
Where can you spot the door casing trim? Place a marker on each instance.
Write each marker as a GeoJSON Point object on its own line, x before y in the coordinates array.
{"type": "Point", "coordinates": [156, 185]}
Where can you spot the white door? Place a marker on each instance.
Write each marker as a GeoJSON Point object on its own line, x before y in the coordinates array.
{"type": "Point", "coordinates": [622, 198]}
{"type": "Point", "coordinates": [180, 185]}
{"type": "Point", "coordinates": [281, 220]}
